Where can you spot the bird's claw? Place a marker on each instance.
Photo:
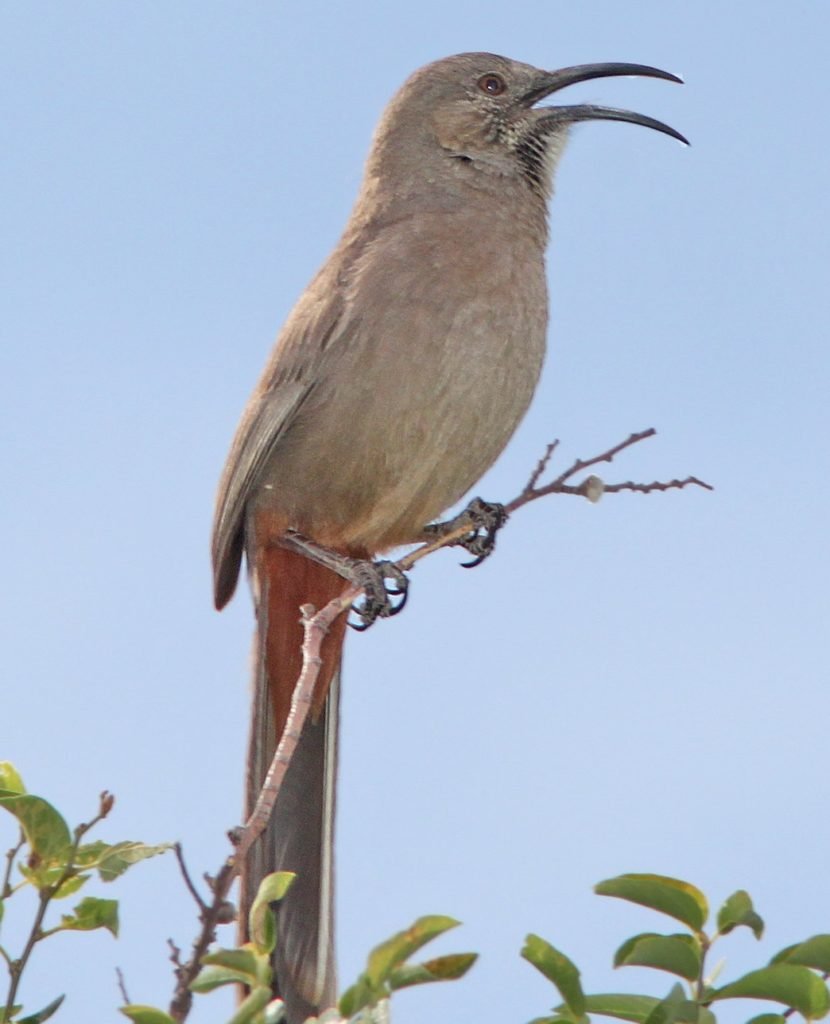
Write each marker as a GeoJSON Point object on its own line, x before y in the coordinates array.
{"type": "Point", "coordinates": [378, 595]}
{"type": "Point", "coordinates": [484, 519]}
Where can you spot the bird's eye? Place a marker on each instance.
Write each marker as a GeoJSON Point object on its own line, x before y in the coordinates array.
{"type": "Point", "coordinates": [492, 84]}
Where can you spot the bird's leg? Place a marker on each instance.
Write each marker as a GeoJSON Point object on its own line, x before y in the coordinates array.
{"type": "Point", "coordinates": [484, 519]}
{"type": "Point", "coordinates": [378, 594]}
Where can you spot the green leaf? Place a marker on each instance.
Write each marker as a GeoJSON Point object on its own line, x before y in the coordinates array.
{"type": "Point", "coordinates": [226, 966]}
{"type": "Point", "coordinates": [89, 854]}
{"type": "Point", "coordinates": [71, 886]}
{"type": "Point", "coordinates": [210, 978]}
{"type": "Point", "coordinates": [442, 968]}
{"type": "Point", "coordinates": [42, 877]}
{"type": "Point", "coordinates": [768, 1018]}
{"type": "Point", "coordinates": [564, 1016]}
{"type": "Point", "coordinates": [46, 832]}
{"type": "Point", "coordinates": [114, 860]}
{"type": "Point", "coordinates": [678, 954]}
{"type": "Point", "coordinates": [10, 778]}
{"type": "Point", "coordinates": [44, 1014]}
{"type": "Point", "coordinates": [621, 1005]}
{"type": "Point", "coordinates": [146, 1014]}
{"type": "Point", "coordinates": [389, 954]}
{"type": "Point", "coordinates": [255, 1001]}
{"type": "Point", "coordinates": [557, 968]}
{"type": "Point", "coordinates": [385, 960]}
{"type": "Point", "coordinates": [789, 984]}
{"type": "Point", "coordinates": [676, 1007]}
{"type": "Point", "coordinates": [91, 913]}
{"type": "Point", "coordinates": [261, 925]}
{"type": "Point", "coordinates": [737, 910]}
{"type": "Point", "coordinates": [670, 896]}
{"type": "Point", "coordinates": [813, 952]}
{"type": "Point", "coordinates": [355, 997]}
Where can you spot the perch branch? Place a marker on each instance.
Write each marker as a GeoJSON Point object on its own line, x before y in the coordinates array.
{"type": "Point", "coordinates": [316, 624]}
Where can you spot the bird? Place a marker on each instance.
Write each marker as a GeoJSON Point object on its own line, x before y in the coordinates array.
{"type": "Point", "coordinates": [398, 378]}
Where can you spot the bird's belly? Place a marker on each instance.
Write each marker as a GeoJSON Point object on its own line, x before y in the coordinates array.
{"type": "Point", "coordinates": [367, 467]}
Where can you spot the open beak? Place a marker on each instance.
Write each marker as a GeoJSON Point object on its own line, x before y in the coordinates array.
{"type": "Point", "coordinates": [552, 81]}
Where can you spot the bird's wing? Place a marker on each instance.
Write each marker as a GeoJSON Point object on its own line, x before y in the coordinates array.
{"type": "Point", "coordinates": [288, 380]}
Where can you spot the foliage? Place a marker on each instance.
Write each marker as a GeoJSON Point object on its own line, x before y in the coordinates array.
{"type": "Point", "coordinates": [54, 863]}
{"type": "Point", "coordinates": [795, 977]}
{"type": "Point", "coordinates": [387, 969]}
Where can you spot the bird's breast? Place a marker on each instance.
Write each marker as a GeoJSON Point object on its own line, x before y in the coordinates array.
{"type": "Point", "coordinates": [434, 366]}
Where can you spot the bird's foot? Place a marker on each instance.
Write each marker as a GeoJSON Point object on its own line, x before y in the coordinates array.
{"type": "Point", "coordinates": [378, 601]}
{"type": "Point", "coordinates": [484, 519]}
{"type": "Point", "coordinates": [378, 594]}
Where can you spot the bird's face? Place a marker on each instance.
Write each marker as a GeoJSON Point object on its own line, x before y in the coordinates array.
{"type": "Point", "coordinates": [482, 111]}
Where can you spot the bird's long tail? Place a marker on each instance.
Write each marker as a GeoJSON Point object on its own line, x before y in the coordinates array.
{"type": "Point", "coordinates": [300, 835]}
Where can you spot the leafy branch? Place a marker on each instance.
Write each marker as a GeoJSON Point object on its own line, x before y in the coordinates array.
{"type": "Point", "coordinates": [795, 977]}
{"type": "Point", "coordinates": [57, 864]}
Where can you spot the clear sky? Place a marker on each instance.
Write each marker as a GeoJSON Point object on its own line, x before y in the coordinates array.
{"type": "Point", "coordinates": [635, 686]}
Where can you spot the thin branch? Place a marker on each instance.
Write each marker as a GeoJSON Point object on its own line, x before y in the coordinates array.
{"type": "Point", "coordinates": [606, 456]}
{"type": "Point", "coordinates": [541, 465]}
{"type": "Point", "coordinates": [175, 953]}
{"type": "Point", "coordinates": [188, 881]}
{"type": "Point", "coordinates": [211, 917]}
{"type": "Point", "coordinates": [657, 485]}
{"type": "Point", "coordinates": [560, 484]}
{"type": "Point", "coordinates": [122, 986]}
{"type": "Point", "coordinates": [5, 889]}
{"type": "Point", "coordinates": [316, 624]}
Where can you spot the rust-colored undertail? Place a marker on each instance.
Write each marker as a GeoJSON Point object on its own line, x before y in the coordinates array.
{"type": "Point", "coordinates": [300, 835]}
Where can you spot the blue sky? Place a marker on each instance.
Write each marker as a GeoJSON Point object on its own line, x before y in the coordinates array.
{"type": "Point", "coordinates": [639, 685]}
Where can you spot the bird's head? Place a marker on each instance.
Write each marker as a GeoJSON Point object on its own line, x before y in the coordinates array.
{"type": "Point", "coordinates": [481, 110]}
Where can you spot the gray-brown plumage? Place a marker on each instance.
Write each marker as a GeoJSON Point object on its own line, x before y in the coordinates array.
{"type": "Point", "coordinates": [397, 380]}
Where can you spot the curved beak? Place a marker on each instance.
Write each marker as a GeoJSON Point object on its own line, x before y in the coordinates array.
{"type": "Point", "coordinates": [553, 81]}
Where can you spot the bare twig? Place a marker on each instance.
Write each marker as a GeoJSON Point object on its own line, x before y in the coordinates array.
{"type": "Point", "coordinates": [122, 986]}
{"type": "Point", "coordinates": [316, 625]}
{"type": "Point", "coordinates": [657, 485]}
{"type": "Point", "coordinates": [606, 456]}
{"type": "Point", "coordinates": [560, 485]}
{"type": "Point", "coordinates": [5, 889]}
{"type": "Point", "coordinates": [188, 881]}
{"type": "Point", "coordinates": [210, 917]}
{"type": "Point", "coordinates": [541, 466]}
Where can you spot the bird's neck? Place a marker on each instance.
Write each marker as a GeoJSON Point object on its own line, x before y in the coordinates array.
{"type": "Point", "coordinates": [453, 189]}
